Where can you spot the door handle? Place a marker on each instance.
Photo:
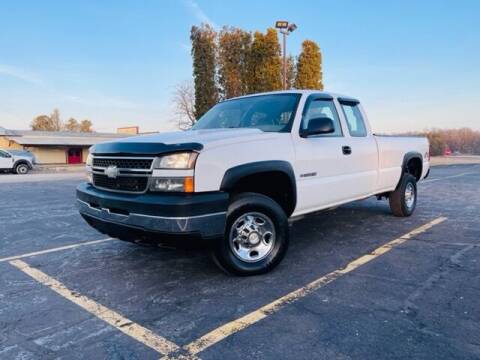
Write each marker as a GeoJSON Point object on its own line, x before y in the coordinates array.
{"type": "Point", "coordinates": [347, 150]}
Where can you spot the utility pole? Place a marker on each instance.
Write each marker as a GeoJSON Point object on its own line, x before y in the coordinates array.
{"type": "Point", "coordinates": [285, 29]}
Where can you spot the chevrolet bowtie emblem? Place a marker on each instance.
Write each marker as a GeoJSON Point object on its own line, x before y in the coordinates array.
{"type": "Point", "coordinates": [111, 172]}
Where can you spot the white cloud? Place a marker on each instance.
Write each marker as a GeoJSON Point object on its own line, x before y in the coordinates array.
{"type": "Point", "coordinates": [21, 74]}
{"type": "Point", "coordinates": [199, 13]}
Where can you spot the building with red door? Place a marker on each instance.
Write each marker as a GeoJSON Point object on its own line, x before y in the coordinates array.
{"type": "Point", "coordinates": [55, 147]}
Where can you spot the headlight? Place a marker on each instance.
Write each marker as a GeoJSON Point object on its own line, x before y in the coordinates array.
{"type": "Point", "coordinates": [183, 160]}
{"type": "Point", "coordinates": [174, 172]}
{"type": "Point", "coordinates": [89, 161]}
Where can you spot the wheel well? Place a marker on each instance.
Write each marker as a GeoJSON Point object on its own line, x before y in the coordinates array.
{"type": "Point", "coordinates": [414, 167]}
{"type": "Point", "coordinates": [276, 185]}
{"type": "Point", "coordinates": [20, 162]}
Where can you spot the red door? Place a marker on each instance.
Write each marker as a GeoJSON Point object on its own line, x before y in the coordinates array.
{"type": "Point", "coordinates": [74, 156]}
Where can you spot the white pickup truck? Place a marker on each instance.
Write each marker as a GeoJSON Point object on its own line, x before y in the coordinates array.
{"type": "Point", "coordinates": [16, 161]}
{"type": "Point", "coordinates": [246, 167]}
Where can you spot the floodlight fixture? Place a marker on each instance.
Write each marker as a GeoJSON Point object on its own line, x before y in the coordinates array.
{"type": "Point", "coordinates": [281, 24]}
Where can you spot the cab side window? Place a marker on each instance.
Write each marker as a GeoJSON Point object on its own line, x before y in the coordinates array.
{"type": "Point", "coordinates": [4, 154]}
{"type": "Point", "coordinates": [322, 108]}
{"type": "Point", "coordinates": [355, 123]}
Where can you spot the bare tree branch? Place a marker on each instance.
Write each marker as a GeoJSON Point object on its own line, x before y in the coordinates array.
{"type": "Point", "coordinates": [184, 100]}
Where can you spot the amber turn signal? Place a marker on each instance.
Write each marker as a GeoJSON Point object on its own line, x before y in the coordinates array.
{"type": "Point", "coordinates": [189, 184]}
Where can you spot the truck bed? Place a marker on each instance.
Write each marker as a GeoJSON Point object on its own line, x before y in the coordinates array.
{"type": "Point", "coordinates": [392, 150]}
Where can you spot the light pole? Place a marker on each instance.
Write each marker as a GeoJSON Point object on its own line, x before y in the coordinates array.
{"type": "Point", "coordinates": [285, 29]}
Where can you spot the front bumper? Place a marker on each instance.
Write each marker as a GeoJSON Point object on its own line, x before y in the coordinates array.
{"type": "Point", "coordinates": [150, 216]}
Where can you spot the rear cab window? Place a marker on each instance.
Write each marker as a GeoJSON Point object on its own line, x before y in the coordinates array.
{"type": "Point", "coordinates": [353, 116]}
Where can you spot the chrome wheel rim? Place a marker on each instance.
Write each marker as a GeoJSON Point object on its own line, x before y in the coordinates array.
{"type": "Point", "coordinates": [409, 195]}
{"type": "Point", "coordinates": [252, 237]}
{"type": "Point", "coordinates": [22, 169]}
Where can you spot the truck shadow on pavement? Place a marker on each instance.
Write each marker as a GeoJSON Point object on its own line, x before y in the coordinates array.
{"type": "Point", "coordinates": [320, 229]}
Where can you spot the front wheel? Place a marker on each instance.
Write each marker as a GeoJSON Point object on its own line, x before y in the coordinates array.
{"type": "Point", "coordinates": [21, 169]}
{"type": "Point", "coordinates": [256, 236]}
{"type": "Point", "coordinates": [404, 199]}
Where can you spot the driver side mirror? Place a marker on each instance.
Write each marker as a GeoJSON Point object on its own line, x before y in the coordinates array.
{"type": "Point", "coordinates": [318, 126]}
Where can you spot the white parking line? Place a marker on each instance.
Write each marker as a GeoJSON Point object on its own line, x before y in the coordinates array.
{"type": "Point", "coordinates": [61, 248]}
{"type": "Point", "coordinates": [121, 323]}
{"type": "Point", "coordinates": [239, 324]}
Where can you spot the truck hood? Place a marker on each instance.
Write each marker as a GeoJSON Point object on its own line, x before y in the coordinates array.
{"type": "Point", "coordinates": [180, 141]}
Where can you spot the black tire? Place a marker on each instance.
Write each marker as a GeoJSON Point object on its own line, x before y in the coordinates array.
{"type": "Point", "coordinates": [223, 253]}
{"type": "Point", "coordinates": [398, 199]}
{"type": "Point", "coordinates": [21, 169]}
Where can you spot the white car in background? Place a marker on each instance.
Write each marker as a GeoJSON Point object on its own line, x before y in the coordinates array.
{"type": "Point", "coordinates": [17, 161]}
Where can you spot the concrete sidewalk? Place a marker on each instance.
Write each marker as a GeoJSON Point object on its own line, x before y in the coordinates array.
{"type": "Point", "coordinates": [41, 176]}
{"type": "Point", "coordinates": [454, 160]}
{"type": "Point", "coordinates": [44, 169]}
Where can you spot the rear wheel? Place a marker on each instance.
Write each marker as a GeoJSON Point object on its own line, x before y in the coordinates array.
{"type": "Point", "coordinates": [256, 236]}
{"type": "Point", "coordinates": [21, 169]}
{"type": "Point", "coordinates": [404, 199]}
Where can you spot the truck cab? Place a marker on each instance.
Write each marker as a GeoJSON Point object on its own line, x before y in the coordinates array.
{"type": "Point", "coordinates": [248, 166]}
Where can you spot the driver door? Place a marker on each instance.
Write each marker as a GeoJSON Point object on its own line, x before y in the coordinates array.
{"type": "Point", "coordinates": [321, 166]}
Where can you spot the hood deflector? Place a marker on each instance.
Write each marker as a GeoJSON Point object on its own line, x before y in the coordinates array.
{"type": "Point", "coordinates": [141, 148]}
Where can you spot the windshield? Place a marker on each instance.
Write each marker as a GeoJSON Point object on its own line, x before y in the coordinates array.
{"type": "Point", "coordinates": [273, 113]}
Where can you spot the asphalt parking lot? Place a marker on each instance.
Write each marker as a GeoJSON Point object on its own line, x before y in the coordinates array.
{"type": "Point", "coordinates": [357, 283]}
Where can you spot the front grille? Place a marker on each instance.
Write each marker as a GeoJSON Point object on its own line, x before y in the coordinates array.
{"type": "Point", "coordinates": [121, 183]}
{"type": "Point", "coordinates": [123, 163]}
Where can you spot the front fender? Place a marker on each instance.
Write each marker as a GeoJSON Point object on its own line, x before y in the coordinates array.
{"type": "Point", "coordinates": [235, 174]}
{"type": "Point", "coordinates": [22, 161]}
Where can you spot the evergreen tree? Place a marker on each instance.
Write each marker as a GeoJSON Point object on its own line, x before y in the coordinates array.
{"type": "Point", "coordinates": [309, 67]}
{"type": "Point", "coordinates": [264, 65]}
{"type": "Point", "coordinates": [234, 47]}
{"type": "Point", "coordinates": [204, 68]}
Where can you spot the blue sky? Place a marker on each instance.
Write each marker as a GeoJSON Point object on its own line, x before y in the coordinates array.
{"type": "Point", "coordinates": [414, 64]}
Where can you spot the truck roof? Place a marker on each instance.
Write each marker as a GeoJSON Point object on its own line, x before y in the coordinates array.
{"type": "Point", "coordinates": [294, 91]}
